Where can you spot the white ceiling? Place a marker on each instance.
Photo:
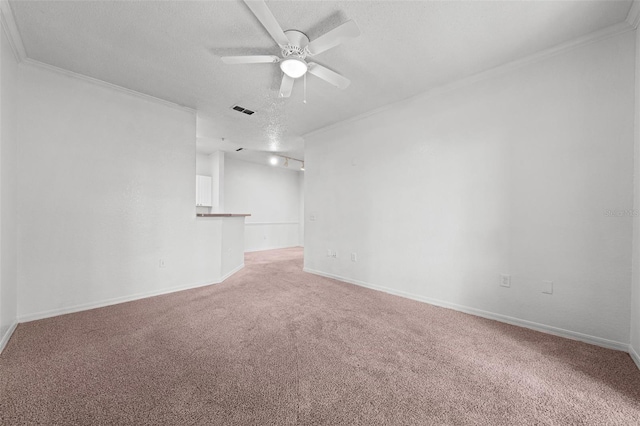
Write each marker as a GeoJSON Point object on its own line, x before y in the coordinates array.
{"type": "Point", "coordinates": [171, 49]}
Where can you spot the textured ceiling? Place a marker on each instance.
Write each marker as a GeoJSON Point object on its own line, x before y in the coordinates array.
{"type": "Point", "coordinates": [171, 50]}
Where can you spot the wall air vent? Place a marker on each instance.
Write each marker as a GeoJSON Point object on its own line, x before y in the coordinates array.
{"type": "Point", "coordinates": [242, 110]}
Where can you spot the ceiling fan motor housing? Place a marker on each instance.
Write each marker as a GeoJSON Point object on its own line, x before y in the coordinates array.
{"type": "Point", "coordinates": [297, 46]}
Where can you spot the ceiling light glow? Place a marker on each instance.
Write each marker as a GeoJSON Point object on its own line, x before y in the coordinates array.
{"type": "Point", "coordinates": [294, 67]}
{"type": "Point", "coordinates": [273, 161]}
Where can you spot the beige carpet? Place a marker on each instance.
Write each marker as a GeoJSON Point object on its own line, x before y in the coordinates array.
{"type": "Point", "coordinates": [275, 346]}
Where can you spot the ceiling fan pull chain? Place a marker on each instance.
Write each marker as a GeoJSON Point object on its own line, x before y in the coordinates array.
{"type": "Point", "coordinates": [305, 89]}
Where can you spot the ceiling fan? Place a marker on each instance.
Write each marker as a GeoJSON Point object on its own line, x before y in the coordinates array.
{"type": "Point", "coordinates": [296, 48]}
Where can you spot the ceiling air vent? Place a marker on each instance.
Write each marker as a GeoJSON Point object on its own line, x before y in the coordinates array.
{"type": "Point", "coordinates": [242, 110]}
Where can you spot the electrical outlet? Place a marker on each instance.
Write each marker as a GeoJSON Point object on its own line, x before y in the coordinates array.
{"type": "Point", "coordinates": [547, 287]}
{"type": "Point", "coordinates": [312, 217]}
{"type": "Point", "coordinates": [162, 263]}
{"type": "Point", "coordinates": [505, 280]}
{"type": "Point", "coordinates": [354, 257]}
{"type": "Point", "coordinates": [335, 254]}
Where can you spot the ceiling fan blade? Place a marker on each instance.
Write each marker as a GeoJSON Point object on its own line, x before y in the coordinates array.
{"type": "Point", "coordinates": [286, 86]}
{"type": "Point", "coordinates": [268, 21]}
{"type": "Point", "coordinates": [255, 59]}
{"type": "Point", "coordinates": [334, 37]}
{"type": "Point", "coordinates": [329, 76]}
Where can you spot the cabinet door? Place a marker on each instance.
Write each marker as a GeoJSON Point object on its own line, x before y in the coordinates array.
{"type": "Point", "coordinates": [206, 191]}
{"type": "Point", "coordinates": [198, 191]}
{"type": "Point", "coordinates": [203, 191]}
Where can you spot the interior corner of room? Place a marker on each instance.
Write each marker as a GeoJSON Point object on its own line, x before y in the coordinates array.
{"type": "Point", "coordinates": [505, 189]}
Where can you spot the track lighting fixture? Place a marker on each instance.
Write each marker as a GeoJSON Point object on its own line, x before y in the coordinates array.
{"type": "Point", "coordinates": [274, 161]}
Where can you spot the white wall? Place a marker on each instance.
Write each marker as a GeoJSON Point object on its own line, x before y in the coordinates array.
{"type": "Point", "coordinates": [440, 194]}
{"type": "Point", "coordinates": [203, 164]}
{"type": "Point", "coordinates": [271, 195]}
{"type": "Point", "coordinates": [8, 209]}
{"type": "Point", "coordinates": [217, 161]}
{"type": "Point", "coordinates": [232, 245]}
{"type": "Point", "coordinates": [635, 296]}
{"type": "Point", "coordinates": [106, 190]}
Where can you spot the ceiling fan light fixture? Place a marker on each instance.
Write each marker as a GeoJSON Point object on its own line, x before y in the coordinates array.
{"type": "Point", "coordinates": [294, 67]}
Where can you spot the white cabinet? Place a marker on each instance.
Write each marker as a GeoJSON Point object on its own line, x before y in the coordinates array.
{"type": "Point", "coordinates": [203, 191]}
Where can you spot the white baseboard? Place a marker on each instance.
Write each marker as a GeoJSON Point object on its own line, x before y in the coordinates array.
{"type": "Point", "coordinates": [270, 248]}
{"type": "Point", "coordinates": [574, 335]}
{"type": "Point", "coordinates": [233, 271]}
{"type": "Point", "coordinates": [93, 305]}
{"type": "Point", "coordinates": [634, 356]}
{"type": "Point", "coordinates": [7, 336]}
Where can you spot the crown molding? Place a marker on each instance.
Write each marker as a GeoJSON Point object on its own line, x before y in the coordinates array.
{"type": "Point", "coordinates": [102, 83]}
{"type": "Point", "coordinates": [11, 30]}
{"type": "Point", "coordinates": [605, 33]}
{"type": "Point", "coordinates": [633, 18]}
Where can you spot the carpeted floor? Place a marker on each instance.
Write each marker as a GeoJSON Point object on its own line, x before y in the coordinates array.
{"type": "Point", "coordinates": [275, 346]}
